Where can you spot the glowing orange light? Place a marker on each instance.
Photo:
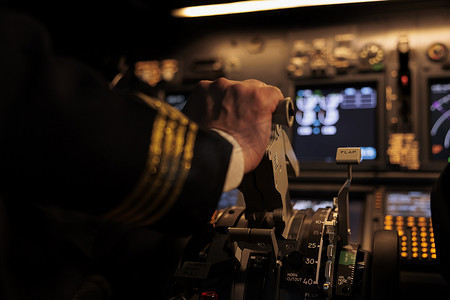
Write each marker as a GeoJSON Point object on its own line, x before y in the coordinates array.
{"type": "Point", "coordinates": [435, 149]}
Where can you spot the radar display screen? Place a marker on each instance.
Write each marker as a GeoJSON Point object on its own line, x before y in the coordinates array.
{"type": "Point", "coordinates": [332, 116]}
{"type": "Point", "coordinates": [439, 111]}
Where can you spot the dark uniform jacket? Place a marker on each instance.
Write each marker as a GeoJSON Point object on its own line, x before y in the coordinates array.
{"type": "Point", "coordinates": [92, 179]}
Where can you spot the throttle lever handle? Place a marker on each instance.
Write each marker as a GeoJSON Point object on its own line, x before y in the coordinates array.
{"type": "Point", "coordinates": [284, 113]}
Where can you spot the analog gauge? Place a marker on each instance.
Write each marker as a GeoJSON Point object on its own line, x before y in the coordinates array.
{"type": "Point", "coordinates": [437, 52]}
{"type": "Point", "coordinates": [372, 55]}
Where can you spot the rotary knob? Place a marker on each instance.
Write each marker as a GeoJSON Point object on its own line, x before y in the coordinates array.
{"type": "Point", "coordinates": [437, 52]}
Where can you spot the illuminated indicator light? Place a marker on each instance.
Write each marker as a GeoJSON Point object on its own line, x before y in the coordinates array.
{"type": "Point", "coordinates": [424, 250]}
{"type": "Point", "coordinates": [432, 250]}
{"type": "Point", "coordinates": [422, 224]}
{"type": "Point", "coordinates": [400, 232]}
{"type": "Point", "coordinates": [433, 256]}
{"type": "Point", "coordinates": [414, 239]}
{"type": "Point", "coordinates": [422, 219]}
{"type": "Point", "coordinates": [430, 229]}
{"type": "Point", "coordinates": [414, 229]}
{"type": "Point", "coordinates": [210, 295]}
{"type": "Point", "coordinates": [415, 249]}
{"type": "Point", "coordinates": [404, 79]}
{"type": "Point", "coordinates": [410, 219]}
{"type": "Point", "coordinates": [436, 149]}
{"type": "Point", "coordinates": [388, 227]}
{"type": "Point", "coordinates": [414, 234]}
{"type": "Point", "coordinates": [424, 255]}
{"type": "Point", "coordinates": [424, 244]}
{"type": "Point", "coordinates": [404, 244]}
{"type": "Point", "coordinates": [424, 239]}
{"type": "Point", "coordinates": [404, 238]}
{"type": "Point", "coordinates": [399, 223]}
{"type": "Point", "coordinates": [399, 218]}
{"type": "Point", "coordinates": [415, 255]}
{"type": "Point", "coordinates": [388, 222]}
{"type": "Point", "coordinates": [431, 240]}
{"type": "Point", "coordinates": [388, 217]}
{"type": "Point", "coordinates": [410, 224]}
{"type": "Point", "coordinates": [433, 245]}
{"type": "Point", "coordinates": [404, 254]}
{"type": "Point", "coordinates": [431, 234]}
{"type": "Point", "coordinates": [415, 244]}
{"type": "Point", "coordinates": [404, 249]}
{"type": "Point", "coordinates": [423, 234]}
{"type": "Point", "coordinates": [423, 229]}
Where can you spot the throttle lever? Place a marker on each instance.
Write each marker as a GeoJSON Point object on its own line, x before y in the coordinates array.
{"type": "Point", "coordinates": [265, 189]}
{"type": "Point", "coordinates": [284, 113]}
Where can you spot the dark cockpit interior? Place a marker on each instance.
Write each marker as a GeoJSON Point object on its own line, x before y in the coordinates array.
{"type": "Point", "coordinates": [374, 76]}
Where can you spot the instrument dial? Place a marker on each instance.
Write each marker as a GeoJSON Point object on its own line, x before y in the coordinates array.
{"type": "Point", "coordinates": [437, 52]}
{"type": "Point", "coordinates": [372, 55]}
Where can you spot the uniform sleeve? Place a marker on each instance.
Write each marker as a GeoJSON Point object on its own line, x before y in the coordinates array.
{"type": "Point", "coordinates": [69, 141]}
{"type": "Point", "coordinates": [183, 175]}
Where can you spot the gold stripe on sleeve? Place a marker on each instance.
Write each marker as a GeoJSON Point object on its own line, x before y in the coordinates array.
{"type": "Point", "coordinates": [151, 168]}
{"type": "Point", "coordinates": [157, 192]}
{"type": "Point", "coordinates": [183, 172]}
{"type": "Point", "coordinates": [168, 163]}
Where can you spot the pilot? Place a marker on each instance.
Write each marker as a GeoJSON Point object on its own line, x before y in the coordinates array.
{"type": "Point", "coordinates": [95, 179]}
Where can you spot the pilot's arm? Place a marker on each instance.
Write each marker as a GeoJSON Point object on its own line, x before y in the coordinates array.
{"type": "Point", "coordinates": [71, 142]}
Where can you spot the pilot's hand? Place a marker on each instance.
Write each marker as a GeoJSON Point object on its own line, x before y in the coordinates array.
{"type": "Point", "coordinates": [242, 109]}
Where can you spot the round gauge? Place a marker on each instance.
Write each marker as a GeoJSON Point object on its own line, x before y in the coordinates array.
{"type": "Point", "coordinates": [437, 52]}
{"type": "Point", "coordinates": [373, 55]}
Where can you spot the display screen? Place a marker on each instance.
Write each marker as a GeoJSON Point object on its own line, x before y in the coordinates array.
{"type": "Point", "coordinates": [177, 100]}
{"type": "Point", "coordinates": [228, 199]}
{"type": "Point", "coordinates": [439, 110]}
{"type": "Point", "coordinates": [332, 116]}
{"type": "Point", "coordinates": [408, 203]}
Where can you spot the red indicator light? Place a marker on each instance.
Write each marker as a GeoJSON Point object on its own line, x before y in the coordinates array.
{"type": "Point", "coordinates": [404, 79]}
{"type": "Point", "coordinates": [209, 295]}
{"type": "Point", "coordinates": [436, 149]}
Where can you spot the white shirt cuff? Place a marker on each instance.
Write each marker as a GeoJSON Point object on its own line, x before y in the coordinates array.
{"type": "Point", "coordinates": [235, 171]}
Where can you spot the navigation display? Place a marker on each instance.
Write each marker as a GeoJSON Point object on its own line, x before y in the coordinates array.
{"type": "Point", "coordinates": [439, 110]}
{"type": "Point", "coordinates": [332, 116]}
